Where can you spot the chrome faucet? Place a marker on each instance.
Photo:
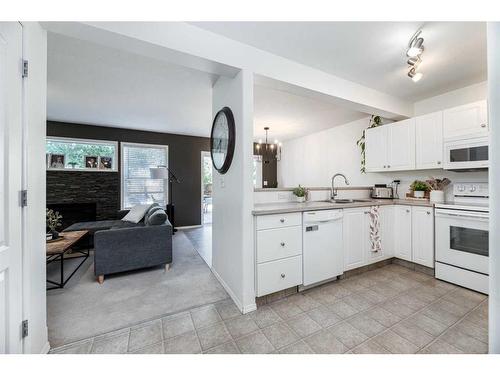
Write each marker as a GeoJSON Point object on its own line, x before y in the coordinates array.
{"type": "Point", "coordinates": [334, 191]}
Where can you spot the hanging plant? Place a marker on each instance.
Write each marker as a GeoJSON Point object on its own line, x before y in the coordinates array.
{"type": "Point", "coordinates": [374, 122]}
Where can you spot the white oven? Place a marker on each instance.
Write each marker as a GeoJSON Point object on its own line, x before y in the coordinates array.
{"type": "Point", "coordinates": [466, 154]}
{"type": "Point", "coordinates": [462, 237]}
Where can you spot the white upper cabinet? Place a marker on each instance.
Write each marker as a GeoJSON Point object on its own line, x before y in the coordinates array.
{"type": "Point", "coordinates": [376, 149]}
{"type": "Point", "coordinates": [423, 236]}
{"type": "Point", "coordinates": [466, 120]}
{"type": "Point", "coordinates": [429, 141]}
{"type": "Point", "coordinates": [402, 232]}
{"type": "Point", "coordinates": [401, 145]}
{"type": "Point", "coordinates": [391, 147]}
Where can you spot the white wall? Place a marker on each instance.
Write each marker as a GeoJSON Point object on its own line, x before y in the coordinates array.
{"type": "Point", "coordinates": [469, 94]}
{"type": "Point", "coordinates": [494, 121]}
{"type": "Point", "coordinates": [232, 228]}
{"type": "Point", "coordinates": [35, 95]}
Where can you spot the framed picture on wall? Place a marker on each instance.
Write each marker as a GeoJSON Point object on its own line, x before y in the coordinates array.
{"type": "Point", "coordinates": [56, 161]}
{"type": "Point", "coordinates": [91, 162]}
{"type": "Point", "coordinates": [105, 162]}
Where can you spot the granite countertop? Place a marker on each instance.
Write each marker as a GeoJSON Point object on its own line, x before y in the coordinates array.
{"type": "Point", "coordinates": [279, 208]}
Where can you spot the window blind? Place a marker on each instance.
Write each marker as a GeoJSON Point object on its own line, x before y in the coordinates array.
{"type": "Point", "coordinates": [137, 185]}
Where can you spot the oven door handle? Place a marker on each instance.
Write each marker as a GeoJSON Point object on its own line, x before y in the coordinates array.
{"type": "Point", "coordinates": [478, 215]}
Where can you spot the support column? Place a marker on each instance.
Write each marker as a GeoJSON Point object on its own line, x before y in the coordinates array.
{"type": "Point", "coordinates": [232, 222]}
{"type": "Point", "coordinates": [494, 184]}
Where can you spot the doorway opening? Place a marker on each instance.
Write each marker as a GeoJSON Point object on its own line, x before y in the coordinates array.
{"type": "Point", "coordinates": [206, 188]}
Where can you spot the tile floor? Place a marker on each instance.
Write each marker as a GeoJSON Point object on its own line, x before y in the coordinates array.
{"type": "Point", "coordinates": [388, 310]}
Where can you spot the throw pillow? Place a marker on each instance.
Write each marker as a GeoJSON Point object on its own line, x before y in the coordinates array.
{"type": "Point", "coordinates": [137, 213]}
{"type": "Point", "coordinates": [152, 209]}
{"type": "Point", "coordinates": [157, 218]}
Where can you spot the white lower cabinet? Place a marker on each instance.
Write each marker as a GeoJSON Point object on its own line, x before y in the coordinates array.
{"type": "Point", "coordinates": [278, 275]}
{"type": "Point", "coordinates": [356, 233]}
{"type": "Point", "coordinates": [278, 255]}
{"type": "Point", "coordinates": [402, 232]}
{"type": "Point", "coordinates": [355, 238]}
{"type": "Point", "coordinates": [422, 236]}
{"type": "Point", "coordinates": [414, 234]}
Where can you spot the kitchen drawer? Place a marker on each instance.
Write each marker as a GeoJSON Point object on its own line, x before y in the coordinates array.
{"type": "Point", "coordinates": [273, 244]}
{"type": "Point", "coordinates": [279, 221]}
{"type": "Point", "coordinates": [279, 275]}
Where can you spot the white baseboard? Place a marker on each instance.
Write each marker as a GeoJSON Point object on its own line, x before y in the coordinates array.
{"type": "Point", "coordinates": [46, 348]}
{"type": "Point", "coordinates": [230, 292]}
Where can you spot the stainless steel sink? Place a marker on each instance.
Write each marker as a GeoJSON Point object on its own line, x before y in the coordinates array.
{"type": "Point", "coordinates": [344, 201]}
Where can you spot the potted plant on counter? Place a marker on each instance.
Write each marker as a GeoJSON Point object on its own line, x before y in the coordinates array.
{"type": "Point", "coordinates": [419, 188]}
{"type": "Point", "coordinates": [300, 194]}
{"type": "Point", "coordinates": [437, 187]}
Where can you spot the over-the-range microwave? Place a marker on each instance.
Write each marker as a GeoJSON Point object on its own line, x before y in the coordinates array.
{"type": "Point", "coordinates": [466, 154]}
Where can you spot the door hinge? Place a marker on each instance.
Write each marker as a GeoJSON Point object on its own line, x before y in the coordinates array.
{"type": "Point", "coordinates": [24, 198]}
{"type": "Point", "coordinates": [25, 68]}
{"type": "Point", "coordinates": [25, 331]}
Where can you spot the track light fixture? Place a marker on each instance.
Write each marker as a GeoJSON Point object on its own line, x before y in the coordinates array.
{"type": "Point", "coordinates": [414, 51]}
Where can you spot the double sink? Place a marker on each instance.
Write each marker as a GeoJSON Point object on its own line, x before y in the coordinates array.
{"type": "Point", "coordinates": [344, 201]}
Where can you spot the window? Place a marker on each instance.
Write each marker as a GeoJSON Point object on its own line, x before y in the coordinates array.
{"type": "Point", "coordinates": [137, 185]}
{"type": "Point", "coordinates": [80, 154]}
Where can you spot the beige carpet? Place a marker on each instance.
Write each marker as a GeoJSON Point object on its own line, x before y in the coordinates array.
{"type": "Point", "coordinates": [85, 308]}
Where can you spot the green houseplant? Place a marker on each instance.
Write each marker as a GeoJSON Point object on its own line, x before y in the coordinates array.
{"type": "Point", "coordinates": [419, 188]}
{"type": "Point", "coordinates": [374, 122]}
{"type": "Point", "coordinates": [300, 194]}
{"type": "Point", "coordinates": [53, 221]}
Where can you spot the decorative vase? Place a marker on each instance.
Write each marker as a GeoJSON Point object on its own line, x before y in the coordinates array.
{"type": "Point", "coordinates": [419, 194]}
{"type": "Point", "coordinates": [437, 196]}
{"type": "Point", "coordinates": [55, 234]}
{"type": "Point", "coordinates": [300, 199]}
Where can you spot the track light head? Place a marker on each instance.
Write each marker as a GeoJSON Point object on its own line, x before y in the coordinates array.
{"type": "Point", "coordinates": [415, 76]}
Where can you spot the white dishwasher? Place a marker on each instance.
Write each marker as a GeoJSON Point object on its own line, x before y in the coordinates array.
{"type": "Point", "coordinates": [323, 256]}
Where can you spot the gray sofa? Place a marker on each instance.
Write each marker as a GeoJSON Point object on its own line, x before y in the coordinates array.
{"type": "Point", "coordinates": [123, 246]}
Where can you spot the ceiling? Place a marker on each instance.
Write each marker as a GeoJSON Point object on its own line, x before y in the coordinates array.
{"type": "Point", "coordinates": [290, 116]}
{"type": "Point", "coordinates": [373, 53]}
{"type": "Point", "coordinates": [93, 84]}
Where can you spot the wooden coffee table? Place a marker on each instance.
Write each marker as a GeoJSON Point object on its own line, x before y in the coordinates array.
{"type": "Point", "coordinates": [57, 250]}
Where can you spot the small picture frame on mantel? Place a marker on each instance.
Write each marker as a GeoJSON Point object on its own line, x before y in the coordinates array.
{"type": "Point", "coordinates": [91, 162]}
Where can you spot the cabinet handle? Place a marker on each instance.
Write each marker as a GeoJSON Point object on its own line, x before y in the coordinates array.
{"type": "Point", "coordinates": [428, 212]}
{"type": "Point", "coordinates": [282, 244]}
{"type": "Point", "coordinates": [385, 166]}
{"type": "Point", "coordinates": [407, 210]}
{"type": "Point", "coordinates": [388, 166]}
{"type": "Point", "coordinates": [439, 162]}
{"type": "Point", "coordinates": [282, 275]}
{"type": "Point", "coordinates": [282, 220]}
{"type": "Point", "coordinates": [483, 125]}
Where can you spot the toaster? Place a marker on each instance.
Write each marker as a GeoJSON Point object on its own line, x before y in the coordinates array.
{"type": "Point", "coordinates": [382, 192]}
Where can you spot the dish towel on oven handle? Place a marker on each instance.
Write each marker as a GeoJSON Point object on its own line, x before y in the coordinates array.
{"type": "Point", "coordinates": [375, 241]}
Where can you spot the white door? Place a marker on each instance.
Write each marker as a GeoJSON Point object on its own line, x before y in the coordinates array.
{"type": "Point", "coordinates": [466, 120]}
{"type": "Point", "coordinates": [402, 232]}
{"type": "Point", "coordinates": [401, 145]}
{"type": "Point", "coordinates": [355, 238]}
{"type": "Point", "coordinates": [376, 149]}
{"type": "Point", "coordinates": [429, 141]}
{"type": "Point", "coordinates": [10, 186]}
{"type": "Point", "coordinates": [422, 236]}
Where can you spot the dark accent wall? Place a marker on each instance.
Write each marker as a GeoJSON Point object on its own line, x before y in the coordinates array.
{"type": "Point", "coordinates": [269, 166]}
{"type": "Point", "coordinates": [184, 159]}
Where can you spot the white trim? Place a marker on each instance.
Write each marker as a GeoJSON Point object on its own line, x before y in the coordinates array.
{"type": "Point", "coordinates": [144, 145]}
{"type": "Point", "coordinates": [46, 348]}
{"type": "Point", "coordinates": [114, 144]}
{"type": "Point", "coordinates": [237, 302]}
